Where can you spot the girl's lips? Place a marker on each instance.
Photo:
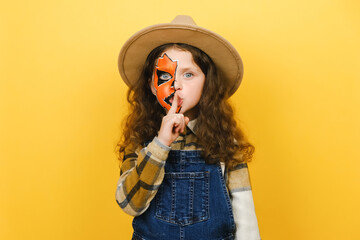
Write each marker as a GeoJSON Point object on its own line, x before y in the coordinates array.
{"type": "Point", "coordinates": [180, 101]}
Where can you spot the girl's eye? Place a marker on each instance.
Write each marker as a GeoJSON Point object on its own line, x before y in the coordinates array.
{"type": "Point", "coordinates": [164, 76]}
{"type": "Point", "coordinates": [188, 75]}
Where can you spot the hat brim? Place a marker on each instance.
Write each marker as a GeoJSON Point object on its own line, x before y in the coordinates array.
{"type": "Point", "coordinates": [136, 49]}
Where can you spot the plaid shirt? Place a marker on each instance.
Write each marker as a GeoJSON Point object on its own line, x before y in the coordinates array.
{"type": "Point", "coordinates": [142, 172]}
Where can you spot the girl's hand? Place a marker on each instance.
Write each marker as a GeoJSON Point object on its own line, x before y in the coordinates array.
{"type": "Point", "coordinates": [172, 124]}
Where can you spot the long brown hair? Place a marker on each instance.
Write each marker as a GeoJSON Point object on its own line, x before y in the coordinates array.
{"type": "Point", "coordinates": [216, 128]}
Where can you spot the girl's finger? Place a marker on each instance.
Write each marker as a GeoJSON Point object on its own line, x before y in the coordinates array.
{"type": "Point", "coordinates": [183, 125]}
{"type": "Point", "coordinates": [180, 119]}
{"type": "Point", "coordinates": [174, 104]}
{"type": "Point", "coordinates": [180, 126]}
{"type": "Point", "coordinates": [187, 120]}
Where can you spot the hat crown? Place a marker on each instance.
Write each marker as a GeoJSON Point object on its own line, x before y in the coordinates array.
{"type": "Point", "coordinates": [184, 20]}
{"type": "Point", "coordinates": [182, 29]}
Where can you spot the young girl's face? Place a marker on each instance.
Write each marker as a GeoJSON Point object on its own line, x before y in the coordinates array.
{"type": "Point", "coordinates": [176, 70]}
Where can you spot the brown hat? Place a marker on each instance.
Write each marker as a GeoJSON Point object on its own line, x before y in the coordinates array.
{"type": "Point", "coordinates": [181, 30]}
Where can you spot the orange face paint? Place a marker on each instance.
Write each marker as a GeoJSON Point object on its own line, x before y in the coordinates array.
{"type": "Point", "coordinates": [164, 78]}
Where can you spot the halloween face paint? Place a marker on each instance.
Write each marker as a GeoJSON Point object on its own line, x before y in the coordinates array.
{"type": "Point", "coordinates": [164, 78]}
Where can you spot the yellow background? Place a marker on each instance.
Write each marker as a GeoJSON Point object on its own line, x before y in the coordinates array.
{"type": "Point", "coordinates": [62, 101]}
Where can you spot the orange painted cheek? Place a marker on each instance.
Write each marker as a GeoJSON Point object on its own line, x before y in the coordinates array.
{"type": "Point", "coordinates": [164, 73]}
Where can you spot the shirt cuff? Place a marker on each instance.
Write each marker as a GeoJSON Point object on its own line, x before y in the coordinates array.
{"type": "Point", "coordinates": [158, 149]}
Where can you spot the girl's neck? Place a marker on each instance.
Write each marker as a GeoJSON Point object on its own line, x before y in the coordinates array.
{"type": "Point", "coordinates": [192, 113]}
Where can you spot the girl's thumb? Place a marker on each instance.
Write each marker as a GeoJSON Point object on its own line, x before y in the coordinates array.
{"type": "Point", "coordinates": [187, 120]}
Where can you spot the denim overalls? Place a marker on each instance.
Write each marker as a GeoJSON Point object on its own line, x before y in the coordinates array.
{"type": "Point", "coordinates": [192, 203]}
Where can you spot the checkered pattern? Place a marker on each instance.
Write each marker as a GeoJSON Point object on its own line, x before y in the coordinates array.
{"type": "Point", "coordinates": [142, 172]}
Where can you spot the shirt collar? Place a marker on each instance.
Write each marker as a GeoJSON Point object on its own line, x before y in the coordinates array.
{"type": "Point", "coordinates": [191, 125]}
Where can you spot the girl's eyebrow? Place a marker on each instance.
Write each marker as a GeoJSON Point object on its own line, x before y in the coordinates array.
{"type": "Point", "coordinates": [189, 69]}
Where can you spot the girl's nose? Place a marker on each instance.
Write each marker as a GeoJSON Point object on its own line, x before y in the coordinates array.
{"type": "Point", "coordinates": [177, 84]}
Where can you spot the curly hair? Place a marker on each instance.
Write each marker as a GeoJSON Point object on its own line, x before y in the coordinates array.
{"type": "Point", "coordinates": [216, 129]}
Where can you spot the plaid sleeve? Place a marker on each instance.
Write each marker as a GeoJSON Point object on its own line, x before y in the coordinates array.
{"type": "Point", "coordinates": [238, 178]}
{"type": "Point", "coordinates": [238, 182]}
{"type": "Point", "coordinates": [141, 174]}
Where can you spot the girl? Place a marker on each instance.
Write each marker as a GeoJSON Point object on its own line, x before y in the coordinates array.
{"type": "Point", "coordinates": [184, 160]}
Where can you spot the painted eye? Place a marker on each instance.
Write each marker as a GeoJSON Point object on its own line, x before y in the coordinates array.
{"type": "Point", "coordinates": [163, 77]}
{"type": "Point", "coordinates": [188, 75]}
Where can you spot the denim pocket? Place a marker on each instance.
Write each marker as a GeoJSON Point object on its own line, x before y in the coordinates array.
{"type": "Point", "coordinates": [183, 198]}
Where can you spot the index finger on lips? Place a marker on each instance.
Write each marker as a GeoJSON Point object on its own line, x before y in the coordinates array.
{"type": "Point", "coordinates": [174, 104]}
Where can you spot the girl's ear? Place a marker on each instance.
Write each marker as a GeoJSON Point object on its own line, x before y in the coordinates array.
{"type": "Point", "coordinates": [153, 90]}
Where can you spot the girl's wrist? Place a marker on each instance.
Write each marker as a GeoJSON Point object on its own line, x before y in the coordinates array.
{"type": "Point", "coordinates": [162, 142]}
